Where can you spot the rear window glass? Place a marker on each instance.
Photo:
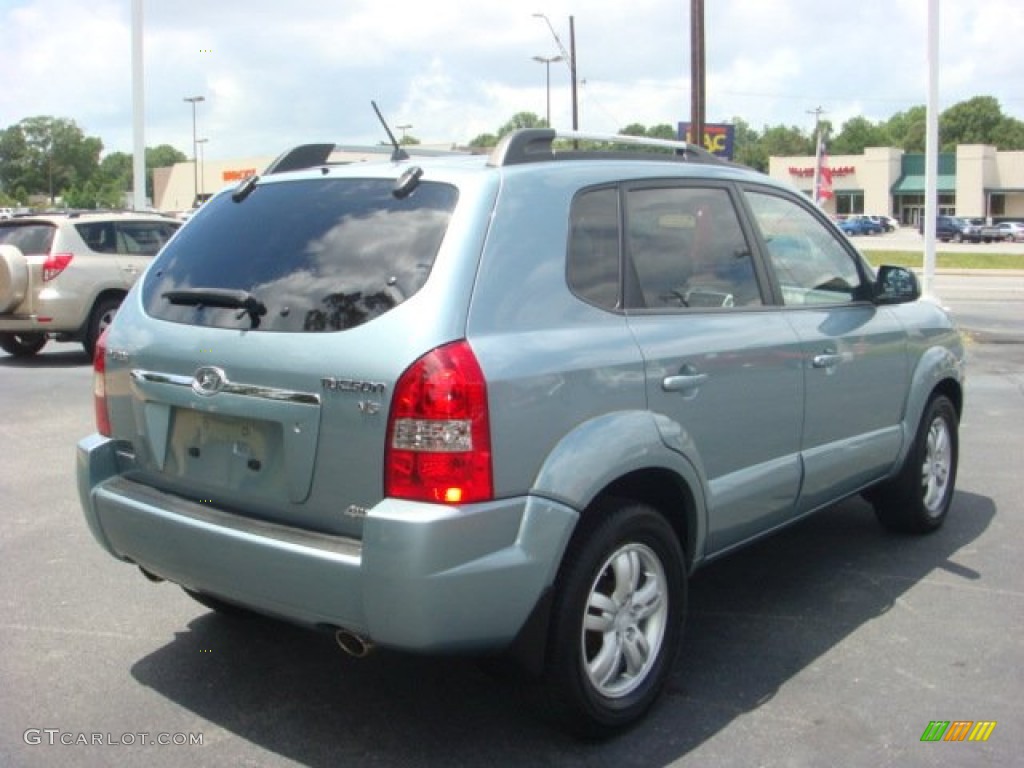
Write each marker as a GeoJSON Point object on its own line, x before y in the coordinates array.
{"type": "Point", "coordinates": [28, 238]}
{"type": "Point", "coordinates": [319, 254]}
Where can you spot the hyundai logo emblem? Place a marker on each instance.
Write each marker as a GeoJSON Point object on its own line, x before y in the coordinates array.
{"type": "Point", "coordinates": [208, 381]}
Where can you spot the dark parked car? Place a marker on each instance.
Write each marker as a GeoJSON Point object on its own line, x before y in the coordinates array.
{"type": "Point", "coordinates": [953, 228]}
{"type": "Point", "coordinates": [508, 403]}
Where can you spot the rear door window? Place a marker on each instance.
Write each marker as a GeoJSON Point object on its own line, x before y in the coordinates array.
{"type": "Point", "coordinates": [319, 254]}
{"type": "Point", "coordinates": [688, 250]}
{"type": "Point", "coordinates": [137, 238]}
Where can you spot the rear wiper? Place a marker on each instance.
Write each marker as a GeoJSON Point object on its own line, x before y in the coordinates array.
{"type": "Point", "coordinates": [220, 297]}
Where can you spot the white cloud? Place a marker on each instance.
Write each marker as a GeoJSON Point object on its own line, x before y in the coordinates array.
{"type": "Point", "coordinates": [276, 74]}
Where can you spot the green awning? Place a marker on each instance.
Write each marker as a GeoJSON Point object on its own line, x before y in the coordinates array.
{"type": "Point", "coordinates": [913, 184]}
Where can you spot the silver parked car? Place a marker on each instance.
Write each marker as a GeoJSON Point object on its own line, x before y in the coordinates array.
{"type": "Point", "coordinates": [509, 403]}
{"type": "Point", "coordinates": [64, 275]}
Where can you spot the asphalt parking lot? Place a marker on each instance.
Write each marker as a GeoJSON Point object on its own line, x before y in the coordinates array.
{"type": "Point", "coordinates": [832, 643]}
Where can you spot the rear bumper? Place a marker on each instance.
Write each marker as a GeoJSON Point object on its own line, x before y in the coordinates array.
{"type": "Point", "coordinates": [424, 577]}
{"type": "Point", "coordinates": [46, 313]}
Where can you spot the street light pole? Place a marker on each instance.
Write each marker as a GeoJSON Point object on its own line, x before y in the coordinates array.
{"type": "Point", "coordinates": [195, 167]}
{"type": "Point", "coordinates": [546, 61]}
{"type": "Point", "coordinates": [570, 60]}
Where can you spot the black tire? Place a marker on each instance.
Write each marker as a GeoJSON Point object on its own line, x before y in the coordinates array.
{"type": "Point", "coordinates": [918, 499]}
{"type": "Point", "coordinates": [617, 618]}
{"type": "Point", "coordinates": [100, 319]}
{"type": "Point", "coordinates": [22, 344]}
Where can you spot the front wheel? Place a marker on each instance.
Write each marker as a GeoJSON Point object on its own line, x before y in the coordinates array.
{"type": "Point", "coordinates": [617, 618]}
{"type": "Point", "coordinates": [917, 500]}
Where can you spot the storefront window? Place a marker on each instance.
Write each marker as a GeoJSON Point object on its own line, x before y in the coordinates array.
{"type": "Point", "coordinates": [849, 202]}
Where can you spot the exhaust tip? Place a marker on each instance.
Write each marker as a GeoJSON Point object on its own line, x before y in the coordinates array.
{"type": "Point", "coordinates": [354, 645]}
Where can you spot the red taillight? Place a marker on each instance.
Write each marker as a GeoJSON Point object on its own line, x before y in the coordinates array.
{"type": "Point", "coordinates": [55, 264]}
{"type": "Point", "coordinates": [439, 436]}
{"type": "Point", "coordinates": [99, 386]}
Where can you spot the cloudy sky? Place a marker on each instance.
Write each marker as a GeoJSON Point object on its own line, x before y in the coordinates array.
{"type": "Point", "coordinates": [276, 73]}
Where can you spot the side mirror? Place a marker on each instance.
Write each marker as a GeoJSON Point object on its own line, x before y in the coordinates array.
{"type": "Point", "coordinates": [896, 285]}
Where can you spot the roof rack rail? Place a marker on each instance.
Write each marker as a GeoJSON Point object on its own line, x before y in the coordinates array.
{"type": "Point", "coordinates": [531, 145]}
{"type": "Point", "coordinates": [313, 155]}
{"type": "Point", "coordinates": [302, 156]}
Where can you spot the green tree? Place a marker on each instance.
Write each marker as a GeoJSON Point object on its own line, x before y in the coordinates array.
{"type": "Point", "coordinates": [163, 156]}
{"type": "Point", "coordinates": [117, 168]}
{"type": "Point", "coordinates": [746, 146]}
{"type": "Point", "coordinates": [780, 140]}
{"type": "Point", "coordinates": [662, 131]}
{"type": "Point", "coordinates": [94, 194]}
{"type": "Point", "coordinates": [521, 120]}
{"type": "Point", "coordinates": [483, 141]}
{"type": "Point", "coordinates": [634, 129]}
{"type": "Point", "coordinates": [970, 122]}
{"type": "Point", "coordinates": [47, 155]}
{"type": "Point", "coordinates": [907, 129]}
{"type": "Point", "coordinates": [856, 134]}
{"type": "Point", "coordinates": [160, 156]}
{"type": "Point", "coordinates": [1009, 134]}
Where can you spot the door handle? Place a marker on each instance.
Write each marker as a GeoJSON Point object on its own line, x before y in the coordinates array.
{"type": "Point", "coordinates": [685, 382]}
{"type": "Point", "coordinates": [827, 359]}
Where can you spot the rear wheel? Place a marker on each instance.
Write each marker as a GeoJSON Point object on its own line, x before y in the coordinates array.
{"type": "Point", "coordinates": [617, 619]}
{"type": "Point", "coordinates": [917, 500]}
{"type": "Point", "coordinates": [22, 344]}
{"type": "Point", "coordinates": [100, 319]}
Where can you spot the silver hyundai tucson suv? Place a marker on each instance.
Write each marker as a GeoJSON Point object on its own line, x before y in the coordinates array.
{"type": "Point", "coordinates": [509, 403]}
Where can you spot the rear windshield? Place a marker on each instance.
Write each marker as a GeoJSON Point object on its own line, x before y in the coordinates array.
{"type": "Point", "coordinates": [319, 254]}
{"type": "Point", "coordinates": [29, 238]}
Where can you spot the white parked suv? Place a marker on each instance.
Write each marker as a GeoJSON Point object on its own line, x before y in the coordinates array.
{"type": "Point", "coordinates": [63, 276]}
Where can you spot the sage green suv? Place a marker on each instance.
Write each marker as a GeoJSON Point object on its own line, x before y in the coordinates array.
{"type": "Point", "coordinates": [508, 403]}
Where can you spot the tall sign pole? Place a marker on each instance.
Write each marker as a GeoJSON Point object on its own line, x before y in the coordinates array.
{"type": "Point", "coordinates": [138, 112]}
{"type": "Point", "coordinates": [697, 72]}
{"type": "Point", "coordinates": [931, 148]}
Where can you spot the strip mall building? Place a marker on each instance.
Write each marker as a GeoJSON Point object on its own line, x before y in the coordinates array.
{"type": "Point", "coordinates": [976, 181]}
